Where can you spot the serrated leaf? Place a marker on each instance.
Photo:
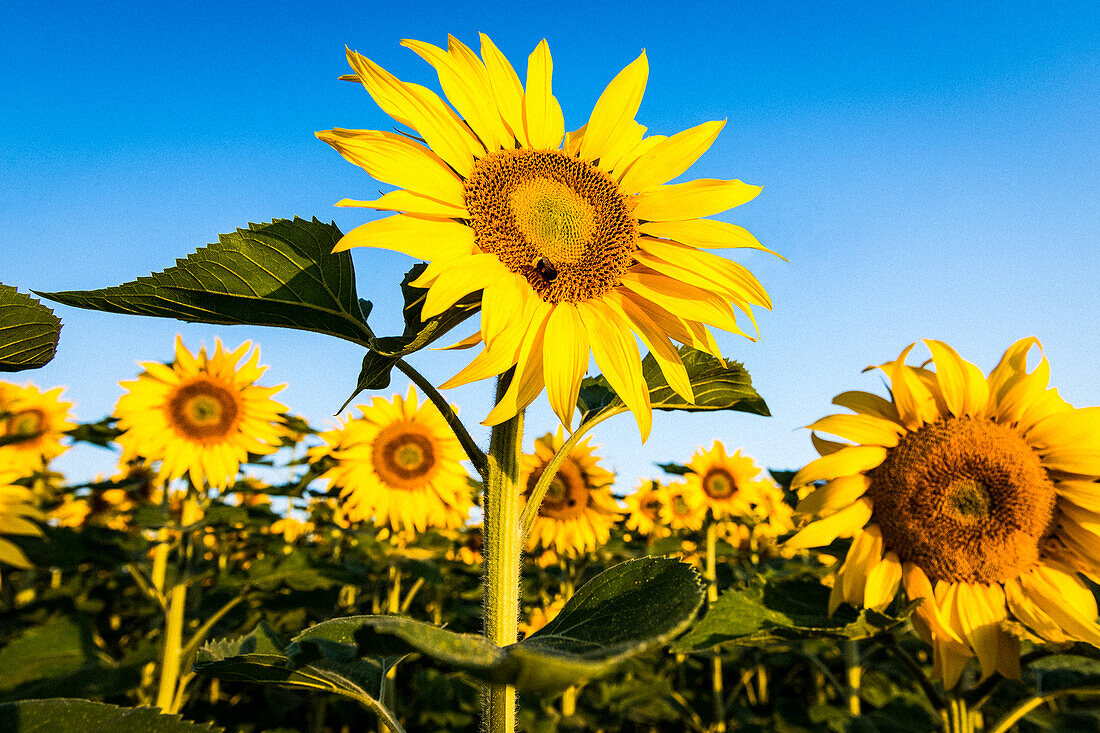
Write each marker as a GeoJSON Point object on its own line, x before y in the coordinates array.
{"type": "Point", "coordinates": [62, 715]}
{"type": "Point", "coordinates": [282, 273]}
{"type": "Point", "coordinates": [772, 610]}
{"type": "Point", "coordinates": [624, 611]}
{"type": "Point", "coordinates": [28, 331]}
{"type": "Point", "coordinates": [717, 386]}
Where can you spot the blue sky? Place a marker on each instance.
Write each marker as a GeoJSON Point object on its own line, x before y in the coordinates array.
{"type": "Point", "coordinates": [929, 169]}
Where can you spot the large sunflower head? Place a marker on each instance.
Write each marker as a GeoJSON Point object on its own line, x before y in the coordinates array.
{"type": "Point", "coordinates": [643, 508]}
{"type": "Point", "coordinates": [399, 464]}
{"type": "Point", "coordinates": [32, 424]}
{"type": "Point", "coordinates": [200, 415]}
{"type": "Point", "coordinates": [727, 484]}
{"type": "Point", "coordinates": [977, 494]}
{"type": "Point", "coordinates": [578, 511]}
{"type": "Point", "coordinates": [576, 241]}
{"type": "Point", "coordinates": [17, 510]}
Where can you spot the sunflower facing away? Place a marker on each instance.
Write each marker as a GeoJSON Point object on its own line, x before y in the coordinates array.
{"type": "Point", "coordinates": [35, 422]}
{"type": "Point", "coordinates": [16, 512]}
{"type": "Point", "coordinates": [398, 464]}
{"type": "Point", "coordinates": [578, 511]}
{"type": "Point", "coordinates": [727, 484]}
{"type": "Point", "coordinates": [576, 240]}
{"type": "Point", "coordinates": [200, 416]}
{"type": "Point", "coordinates": [977, 494]}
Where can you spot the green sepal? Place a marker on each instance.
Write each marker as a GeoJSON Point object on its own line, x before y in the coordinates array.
{"type": "Point", "coordinates": [28, 331]}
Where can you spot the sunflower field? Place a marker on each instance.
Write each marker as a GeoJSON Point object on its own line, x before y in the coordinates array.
{"type": "Point", "coordinates": [241, 569]}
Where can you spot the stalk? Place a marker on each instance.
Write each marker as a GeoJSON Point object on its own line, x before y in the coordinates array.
{"type": "Point", "coordinates": [711, 575]}
{"type": "Point", "coordinates": [957, 717]}
{"type": "Point", "coordinates": [854, 673]}
{"type": "Point", "coordinates": [502, 560]}
{"type": "Point", "coordinates": [173, 628]}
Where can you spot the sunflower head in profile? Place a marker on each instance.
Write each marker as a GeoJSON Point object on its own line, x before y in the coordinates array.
{"type": "Point", "coordinates": [976, 494]}
{"type": "Point", "coordinates": [400, 465]}
{"type": "Point", "coordinates": [32, 424]}
{"type": "Point", "coordinates": [643, 508]}
{"type": "Point", "coordinates": [578, 511]}
{"type": "Point", "coordinates": [683, 508]}
{"type": "Point", "coordinates": [727, 484]}
{"type": "Point", "coordinates": [577, 242]}
{"type": "Point", "coordinates": [200, 416]}
{"type": "Point", "coordinates": [17, 515]}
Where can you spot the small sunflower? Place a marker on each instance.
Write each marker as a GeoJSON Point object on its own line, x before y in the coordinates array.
{"type": "Point", "coordinates": [726, 484]}
{"type": "Point", "coordinates": [643, 508]}
{"type": "Point", "coordinates": [576, 240]}
{"type": "Point", "coordinates": [17, 509]}
{"type": "Point", "coordinates": [200, 416]}
{"type": "Point", "coordinates": [977, 494]}
{"type": "Point", "coordinates": [578, 511]}
{"type": "Point", "coordinates": [682, 508]}
{"type": "Point", "coordinates": [34, 422]}
{"type": "Point", "coordinates": [398, 464]}
{"type": "Point", "coordinates": [540, 616]}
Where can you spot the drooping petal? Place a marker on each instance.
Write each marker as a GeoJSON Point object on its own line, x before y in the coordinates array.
{"type": "Point", "coordinates": [837, 494]}
{"type": "Point", "coordinates": [688, 332]}
{"type": "Point", "coordinates": [845, 462]}
{"type": "Point", "coordinates": [542, 116]}
{"type": "Point", "coordinates": [526, 381]}
{"type": "Point", "coordinates": [567, 340]}
{"type": "Point", "coordinates": [615, 109]}
{"type": "Point", "coordinates": [883, 582]}
{"type": "Point", "coordinates": [825, 447]}
{"type": "Point", "coordinates": [420, 237]}
{"type": "Point", "coordinates": [863, 429]}
{"type": "Point", "coordinates": [864, 554]}
{"type": "Point", "coordinates": [410, 203]}
{"type": "Point", "coordinates": [670, 157]}
{"type": "Point", "coordinates": [466, 275]}
{"type": "Point", "coordinates": [705, 234]}
{"type": "Point", "coordinates": [664, 353]}
{"type": "Point", "coordinates": [979, 619]}
{"type": "Point", "coordinates": [1049, 598]}
{"type": "Point", "coordinates": [616, 353]}
{"type": "Point", "coordinates": [868, 403]}
{"type": "Point", "coordinates": [682, 299]}
{"type": "Point", "coordinates": [844, 523]}
{"type": "Point", "coordinates": [709, 270]}
{"type": "Point", "coordinates": [501, 303]}
{"type": "Point", "coordinates": [693, 199]}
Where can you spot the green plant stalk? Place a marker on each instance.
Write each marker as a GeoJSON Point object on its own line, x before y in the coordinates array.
{"type": "Point", "coordinates": [854, 671]}
{"type": "Point", "coordinates": [1006, 723]}
{"type": "Point", "coordinates": [711, 575]}
{"type": "Point", "coordinates": [173, 628]}
{"type": "Point", "coordinates": [957, 717]}
{"type": "Point", "coordinates": [503, 545]}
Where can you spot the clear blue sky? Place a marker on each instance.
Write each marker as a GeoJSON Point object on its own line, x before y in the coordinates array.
{"type": "Point", "coordinates": [930, 170]}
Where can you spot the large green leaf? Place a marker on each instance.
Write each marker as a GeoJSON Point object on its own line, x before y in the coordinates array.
{"type": "Point", "coordinates": [772, 610]}
{"type": "Point", "coordinates": [28, 331]}
{"type": "Point", "coordinates": [717, 385]}
{"type": "Point", "coordinates": [627, 610]}
{"type": "Point", "coordinates": [62, 715]}
{"type": "Point", "coordinates": [278, 274]}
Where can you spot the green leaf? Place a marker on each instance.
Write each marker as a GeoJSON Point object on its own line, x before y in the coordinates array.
{"type": "Point", "coordinates": [631, 608]}
{"type": "Point", "coordinates": [101, 433]}
{"type": "Point", "coordinates": [276, 274]}
{"type": "Point", "coordinates": [773, 610]}
{"type": "Point", "coordinates": [717, 385]}
{"type": "Point", "coordinates": [675, 469]}
{"type": "Point", "coordinates": [61, 646]}
{"type": "Point", "coordinates": [62, 715]}
{"type": "Point", "coordinates": [28, 331]}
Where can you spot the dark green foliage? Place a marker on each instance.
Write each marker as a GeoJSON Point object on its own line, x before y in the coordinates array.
{"type": "Point", "coordinates": [60, 715]}
{"type": "Point", "coordinates": [28, 331]}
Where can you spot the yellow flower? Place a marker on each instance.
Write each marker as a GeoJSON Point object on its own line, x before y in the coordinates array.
{"type": "Point", "coordinates": [576, 242]}
{"type": "Point", "coordinates": [35, 421]}
{"type": "Point", "coordinates": [540, 616]}
{"type": "Point", "coordinates": [682, 507]}
{"type": "Point", "coordinates": [726, 484]}
{"type": "Point", "coordinates": [398, 464]}
{"type": "Point", "coordinates": [578, 511]}
{"type": "Point", "coordinates": [199, 416]}
{"type": "Point", "coordinates": [16, 512]}
{"type": "Point", "coordinates": [977, 494]}
{"type": "Point", "coordinates": [644, 508]}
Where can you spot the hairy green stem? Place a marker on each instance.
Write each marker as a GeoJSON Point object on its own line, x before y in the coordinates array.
{"type": "Point", "coordinates": [711, 576]}
{"type": "Point", "coordinates": [173, 628]}
{"type": "Point", "coordinates": [503, 546]}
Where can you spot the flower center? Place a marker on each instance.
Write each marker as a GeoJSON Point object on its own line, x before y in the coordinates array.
{"type": "Point", "coordinates": [719, 484]}
{"type": "Point", "coordinates": [966, 500]}
{"type": "Point", "coordinates": [26, 424]}
{"type": "Point", "coordinates": [650, 506]}
{"type": "Point", "coordinates": [557, 220]}
{"type": "Point", "coordinates": [404, 457]}
{"type": "Point", "coordinates": [203, 411]}
{"type": "Point", "coordinates": [567, 495]}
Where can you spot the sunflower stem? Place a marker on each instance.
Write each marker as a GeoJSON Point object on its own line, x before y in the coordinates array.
{"type": "Point", "coordinates": [957, 717]}
{"type": "Point", "coordinates": [167, 698]}
{"type": "Point", "coordinates": [711, 576]}
{"type": "Point", "coordinates": [1017, 713]}
{"type": "Point", "coordinates": [854, 675]}
{"type": "Point", "coordinates": [475, 454]}
{"type": "Point", "coordinates": [503, 546]}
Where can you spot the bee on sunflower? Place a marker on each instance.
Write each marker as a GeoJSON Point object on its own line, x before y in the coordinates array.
{"type": "Point", "coordinates": [978, 495]}
{"type": "Point", "coordinates": [398, 464]}
{"type": "Point", "coordinates": [32, 424]}
{"type": "Point", "coordinates": [578, 511]}
{"type": "Point", "coordinates": [200, 415]}
{"type": "Point", "coordinates": [576, 240]}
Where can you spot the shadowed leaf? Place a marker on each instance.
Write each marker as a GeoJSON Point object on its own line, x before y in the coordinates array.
{"type": "Point", "coordinates": [61, 715]}
{"type": "Point", "coordinates": [28, 331]}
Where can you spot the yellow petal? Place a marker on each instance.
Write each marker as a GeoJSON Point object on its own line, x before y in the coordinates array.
{"type": "Point", "coordinates": [1012, 366]}
{"type": "Point", "coordinates": [572, 142]}
{"type": "Point", "coordinates": [710, 271]}
{"type": "Point", "coordinates": [915, 403]}
{"type": "Point", "coordinates": [917, 586]}
{"type": "Point", "coordinates": [825, 447]}
{"type": "Point", "coordinates": [1049, 599]}
{"type": "Point", "coordinates": [410, 203]}
{"type": "Point", "coordinates": [542, 116]}
{"type": "Point", "coordinates": [615, 109]}
{"type": "Point", "coordinates": [1085, 494]}
{"type": "Point", "coordinates": [688, 332]}
{"type": "Point", "coordinates": [664, 353]}
{"type": "Point", "coordinates": [883, 582]}
{"type": "Point", "coordinates": [506, 87]}
{"type": "Point", "coordinates": [692, 199]}
{"type": "Point", "coordinates": [670, 157]}
{"type": "Point", "coordinates": [845, 462]}
{"type": "Point", "coordinates": [1030, 615]}
{"type": "Point", "coordinates": [466, 275]}
{"type": "Point", "coordinates": [567, 343]}
{"type": "Point", "coordinates": [1020, 394]}
{"type": "Point", "coordinates": [838, 493]}
{"type": "Point", "coordinates": [1079, 428]}
{"type": "Point", "coordinates": [682, 299]}
{"type": "Point", "coordinates": [501, 304]}
{"type": "Point", "coordinates": [844, 523]}
{"type": "Point", "coordinates": [469, 342]}
{"type": "Point", "coordinates": [962, 385]}
{"type": "Point", "coordinates": [979, 616]}
{"type": "Point", "coordinates": [526, 381]}
{"type": "Point", "coordinates": [623, 149]}
{"type": "Point", "coordinates": [616, 354]}
{"type": "Point", "coordinates": [398, 161]}
{"type": "Point", "coordinates": [864, 554]}
{"type": "Point", "coordinates": [705, 234]}
{"type": "Point", "coordinates": [863, 429]}
{"type": "Point", "coordinates": [419, 237]}
{"type": "Point", "coordinates": [867, 404]}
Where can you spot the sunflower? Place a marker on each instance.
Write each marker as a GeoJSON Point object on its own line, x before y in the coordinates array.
{"type": "Point", "coordinates": [34, 422]}
{"type": "Point", "coordinates": [643, 508]}
{"type": "Point", "coordinates": [200, 416]}
{"type": "Point", "coordinates": [976, 494]}
{"type": "Point", "coordinates": [578, 511]}
{"type": "Point", "coordinates": [398, 464]}
{"type": "Point", "coordinates": [574, 239]}
{"type": "Point", "coordinates": [682, 507]}
{"type": "Point", "coordinates": [16, 512]}
{"type": "Point", "coordinates": [726, 484]}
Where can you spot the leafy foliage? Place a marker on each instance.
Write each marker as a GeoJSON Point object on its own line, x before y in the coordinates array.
{"type": "Point", "coordinates": [61, 715]}
{"type": "Point", "coordinates": [28, 331]}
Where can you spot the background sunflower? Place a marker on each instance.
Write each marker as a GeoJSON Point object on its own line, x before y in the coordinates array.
{"type": "Point", "coordinates": [17, 510]}
{"type": "Point", "coordinates": [32, 424]}
{"type": "Point", "coordinates": [727, 484]}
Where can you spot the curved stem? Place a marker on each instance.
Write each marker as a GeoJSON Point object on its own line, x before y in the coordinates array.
{"type": "Point", "coordinates": [531, 511]}
{"type": "Point", "coordinates": [475, 454]}
{"type": "Point", "coordinates": [1028, 705]}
